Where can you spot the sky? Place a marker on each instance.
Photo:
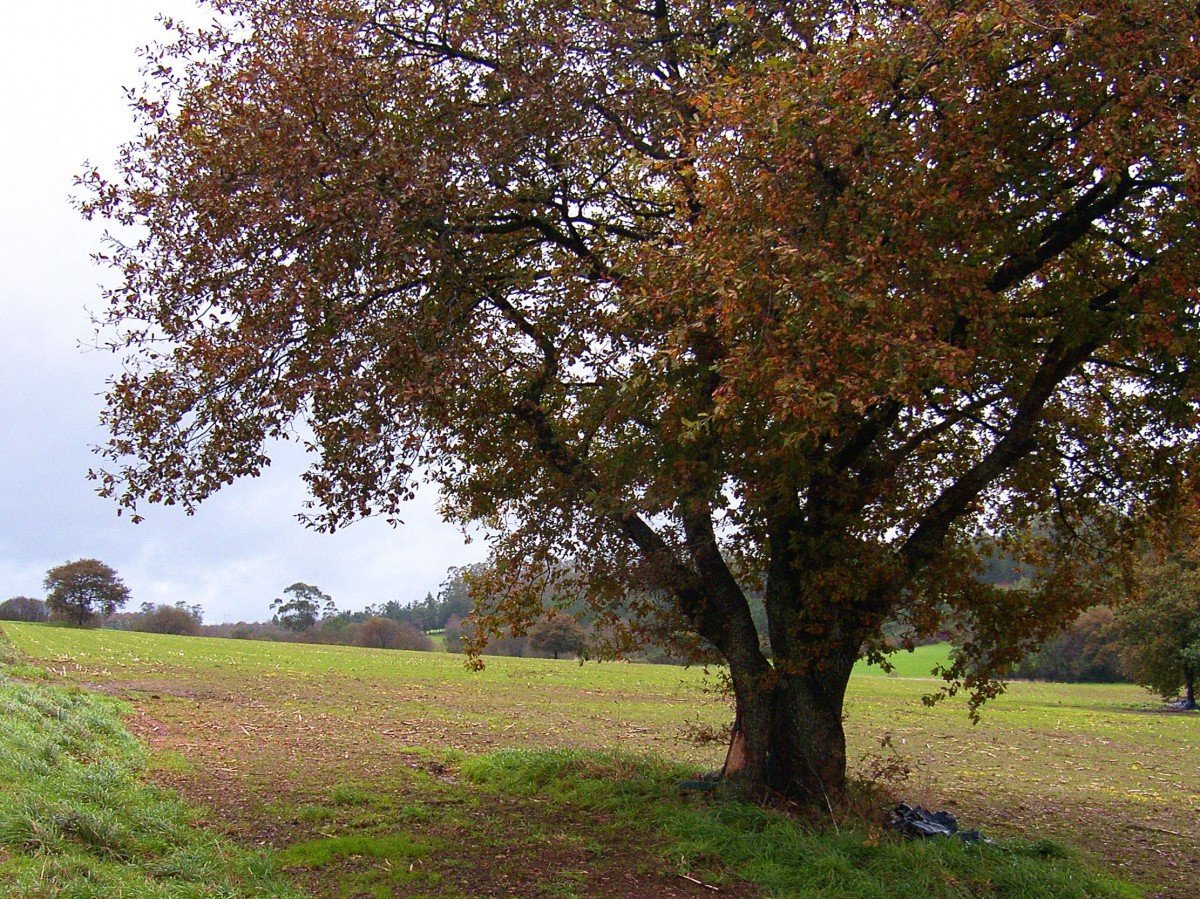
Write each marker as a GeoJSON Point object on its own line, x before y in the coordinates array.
{"type": "Point", "coordinates": [63, 67]}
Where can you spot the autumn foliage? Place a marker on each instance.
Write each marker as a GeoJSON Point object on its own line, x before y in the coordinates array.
{"type": "Point", "coordinates": [682, 298]}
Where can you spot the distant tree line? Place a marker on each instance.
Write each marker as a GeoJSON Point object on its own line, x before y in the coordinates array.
{"type": "Point", "coordinates": [1152, 637]}
{"type": "Point", "coordinates": [24, 608]}
{"type": "Point", "coordinates": [1086, 651]}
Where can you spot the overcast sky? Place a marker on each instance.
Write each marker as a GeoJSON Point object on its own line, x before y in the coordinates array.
{"type": "Point", "coordinates": [62, 68]}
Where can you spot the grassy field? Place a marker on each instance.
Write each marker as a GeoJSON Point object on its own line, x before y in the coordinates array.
{"type": "Point", "coordinates": [372, 772]}
{"type": "Point", "coordinates": [78, 819]}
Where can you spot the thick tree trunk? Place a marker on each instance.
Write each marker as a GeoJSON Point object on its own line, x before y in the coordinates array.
{"type": "Point", "coordinates": [788, 733]}
{"type": "Point", "coordinates": [1189, 695]}
{"type": "Point", "coordinates": [788, 737]}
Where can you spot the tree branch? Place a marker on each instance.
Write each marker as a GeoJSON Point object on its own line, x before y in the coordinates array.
{"type": "Point", "coordinates": [1060, 360]}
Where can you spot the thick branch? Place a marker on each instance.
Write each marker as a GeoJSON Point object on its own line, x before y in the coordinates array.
{"type": "Point", "coordinates": [1064, 231]}
{"type": "Point", "coordinates": [738, 637]}
{"type": "Point", "coordinates": [1061, 359]}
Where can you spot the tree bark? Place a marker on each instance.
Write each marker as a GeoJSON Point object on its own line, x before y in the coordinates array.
{"type": "Point", "coordinates": [788, 737]}
{"type": "Point", "coordinates": [1189, 695]}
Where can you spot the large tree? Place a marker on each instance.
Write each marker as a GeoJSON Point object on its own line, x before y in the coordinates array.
{"type": "Point", "coordinates": [681, 299]}
{"type": "Point", "coordinates": [85, 589]}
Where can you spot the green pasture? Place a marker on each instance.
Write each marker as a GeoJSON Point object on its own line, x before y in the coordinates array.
{"type": "Point", "coordinates": [1100, 767]}
{"type": "Point", "coordinates": [77, 820]}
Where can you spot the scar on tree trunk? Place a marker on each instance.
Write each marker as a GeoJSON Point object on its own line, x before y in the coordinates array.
{"type": "Point", "coordinates": [735, 756]}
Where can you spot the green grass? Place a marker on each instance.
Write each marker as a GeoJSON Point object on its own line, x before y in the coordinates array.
{"type": "Point", "coordinates": [777, 853]}
{"type": "Point", "coordinates": [329, 742]}
{"type": "Point", "coordinates": [919, 662]}
{"type": "Point", "coordinates": [376, 866]}
{"type": "Point", "coordinates": [313, 853]}
{"type": "Point", "coordinates": [77, 821]}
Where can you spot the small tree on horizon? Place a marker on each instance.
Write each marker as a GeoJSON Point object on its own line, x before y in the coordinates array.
{"type": "Point", "coordinates": [558, 633]}
{"type": "Point", "coordinates": [84, 589]}
{"type": "Point", "coordinates": [1159, 628]}
{"type": "Point", "coordinates": [302, 606]}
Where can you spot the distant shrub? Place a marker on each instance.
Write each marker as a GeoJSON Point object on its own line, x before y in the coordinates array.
{"type": "Point", "coordinates": [161, 619]}
{"type": "Point", "coordinates": [558, 634]}
{"type": "Point", "coordinates": [384, 633]}
{"type": "Point", "coordinates": [1087, 651]}
{"type": "Point", "coordinates": [24, 608]}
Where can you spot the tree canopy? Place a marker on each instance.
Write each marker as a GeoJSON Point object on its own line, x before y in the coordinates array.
{"type": "Point", "coordinates": [85, 589]}
{"type": "Point", "coordinates": [559, 634]}
{"type": "Point", "coordinates": [1159, 627]}
{"type": "Point", "coordinates": [302, 606]}
{"type": "Point", "coordinates": [681, 298]}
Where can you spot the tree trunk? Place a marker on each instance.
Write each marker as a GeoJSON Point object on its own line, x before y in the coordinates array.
{"type": "Point", "coordinates": [788, 737]}
{"type": "Point", "coordinates": [1189, 682]}
{"type": "Point", "coordinates": [789, 725]}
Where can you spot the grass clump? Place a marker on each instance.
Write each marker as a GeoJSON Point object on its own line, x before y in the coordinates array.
{"type": "Point", "coordinates": [783, 856]}
{"type": "Point", "coordinates": [75, 820]}
{"type": "Point", "coordinates": [350, 795]}
{"type": "Point", "coordinates": [314, 853]}
{"type": "Point", "coordinates": [381, 865]}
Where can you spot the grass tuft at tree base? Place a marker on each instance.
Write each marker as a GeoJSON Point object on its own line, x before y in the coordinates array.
{"type": "Point", "coordinates": [781, 855]}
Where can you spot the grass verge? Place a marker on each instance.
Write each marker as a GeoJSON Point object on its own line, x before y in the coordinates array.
{"type": "Point", "coordinates": [76, 820]}
{"type": "Point", "coordinates": [775, 852]}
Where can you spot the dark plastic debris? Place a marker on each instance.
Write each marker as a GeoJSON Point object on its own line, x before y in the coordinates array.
{"type": "Point", "coordinates": [919, 823]}
{"type": "Point", "coordinates": [707, 782]}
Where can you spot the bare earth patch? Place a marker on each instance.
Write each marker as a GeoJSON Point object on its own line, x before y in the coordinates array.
{"type": "Point", "coordinates": [499, 846]}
